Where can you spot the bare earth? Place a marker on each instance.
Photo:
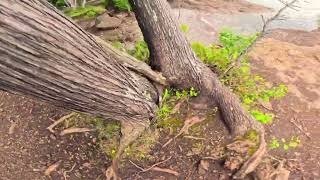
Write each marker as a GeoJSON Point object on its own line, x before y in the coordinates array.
{"type": "Point", "coordinates": [291, 57]}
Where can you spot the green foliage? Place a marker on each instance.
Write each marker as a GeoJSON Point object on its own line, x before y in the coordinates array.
{"type": "Point", "coordinates": [140, 51]}
{"type": "Point", "coordinates": [221, 57]}
{"type": "Point", "coordinates": [264, 118]}
{"type": "Point", "coordinates": [251, 88]}
{"type": "Point", "coordinates": [118, 45]}
{"type": "Point", "coordinates": [184, 94]}
{"type": "Point", "coordinates": [58, 3]}
{"type": "Point", "coordinates": [184, 28]}
{"type": "Point", "coordinates": [274, 144]}
{"type": "Point", "coordinates": [105, 3]}
{"type": "Point", "coordinates": [85, 12]}
{"type": "Point", "coordinates": [122, 5]}
{"type": "Point", "coordinates": [294, 142]}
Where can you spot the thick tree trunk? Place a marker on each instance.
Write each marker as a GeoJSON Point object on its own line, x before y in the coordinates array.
{"type": "Point", "coordinates": [45, 55]}
{"type": "Point", "coordinates": [173, 56]}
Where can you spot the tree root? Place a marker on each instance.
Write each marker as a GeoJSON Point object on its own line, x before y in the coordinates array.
{"type": "Point", "coordinates": [55, 123]}
{"type": "Point", "coordinates": [251, 164]}
{"type": "Point", "coordinates": [130, 132]}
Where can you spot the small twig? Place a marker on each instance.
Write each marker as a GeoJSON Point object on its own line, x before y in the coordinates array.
{"type": "Point", "coordinates": [300, 128]}
{"type": "Point", "coordinates": [75, 130]}
{"type": "Point", "coordinates": [196, 138]}
{"type": "Point", "coordinates": [50, 128]}
{"type": "Point", "coordinates": [65, 172]}
{"type": "Point", "coordinates": [169, 171]}
{"type": "Point", "coordinates": [155, 168]}
{"type": "Point", "coordinates": [213, 158]}
{"type": "Point", "coordinates": [260, 35]}
{"type": "Point", "coordinates": [187, 124]}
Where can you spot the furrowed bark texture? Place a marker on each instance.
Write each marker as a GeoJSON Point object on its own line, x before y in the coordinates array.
{"type": "Point", "coordinates": [172, 54]}
{"type": "Point", "coordinates": [45, 55]}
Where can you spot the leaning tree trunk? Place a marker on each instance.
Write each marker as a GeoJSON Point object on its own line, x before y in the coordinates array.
{"type": "Point", "coordinates": [172, 55]}
{"type": "Point", "coordinates": [45, 55]}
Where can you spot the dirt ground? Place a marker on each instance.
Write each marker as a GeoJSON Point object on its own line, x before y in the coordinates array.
{"type": "Point", "coordinates": [291, 57]}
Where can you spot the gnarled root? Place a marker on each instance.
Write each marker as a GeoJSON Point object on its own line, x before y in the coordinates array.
{"type": "Point", "coordinates": [251, 164]}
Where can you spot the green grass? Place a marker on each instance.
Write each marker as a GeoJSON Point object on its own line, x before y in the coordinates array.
{"type": "Point", "coordinates": [140, 51]}
{"type": "Point", "coordinates": [122, 5]}
{"type": "Point", "coordinates": [184, 28]}
{"type": "Point", "coordinates": [58, 3]}
{"type": "Point", "coordinates": [85, 12]}
{"type": "Point", "coordinates": [169, 99]}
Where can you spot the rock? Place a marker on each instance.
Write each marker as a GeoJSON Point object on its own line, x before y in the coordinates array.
{"type": "Point", "coordinates": [111, 35]}
{"type": "Point", "coordinates": [105, 21]}
{"type": "Point", "coordinates": [86, 23]}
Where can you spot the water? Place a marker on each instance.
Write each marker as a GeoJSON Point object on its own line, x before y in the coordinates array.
{"type": "Point", "coordinates": [306, 17]}
{"type": "Point", "coordinates": [204, 26]}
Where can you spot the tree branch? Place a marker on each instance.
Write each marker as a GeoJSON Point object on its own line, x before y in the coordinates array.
{"type": "Point", "coordinates": [132, 63]}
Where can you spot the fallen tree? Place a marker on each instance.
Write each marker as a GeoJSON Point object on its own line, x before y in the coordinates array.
{"type": "Point", "coordinates": [45, 55]}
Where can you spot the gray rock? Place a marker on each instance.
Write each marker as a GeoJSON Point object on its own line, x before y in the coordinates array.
{"type": "Point", "coordinates": [105, 21]}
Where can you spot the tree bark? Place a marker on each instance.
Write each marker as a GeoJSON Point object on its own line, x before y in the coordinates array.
{"type": "Point", "coordinates": [45, 55]}
{"type": "Point", "coordinates": [172, 55]}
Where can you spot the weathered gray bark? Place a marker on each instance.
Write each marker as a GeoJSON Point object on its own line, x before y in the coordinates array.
{"type": "Point", "coordinates": [45, 55]}
{"type": "Point", "coordinates": [173, 56]}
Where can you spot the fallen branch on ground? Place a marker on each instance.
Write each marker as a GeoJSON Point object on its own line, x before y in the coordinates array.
{"type": "Point", "coordinates": [55, 123]}
{"type": "Point", "coordinates": [155, 168]}
{"type": "Point", "coordinates": [75, 130]}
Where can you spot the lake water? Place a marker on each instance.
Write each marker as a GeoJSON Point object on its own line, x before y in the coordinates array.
{"type": "Point", "coordinates": [204, 26]}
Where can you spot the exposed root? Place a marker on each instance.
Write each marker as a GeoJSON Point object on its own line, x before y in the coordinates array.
{"type": "Point", "coordinates": [251, 164]}
{"type": "Point", "coordinates": [111, 173]}
{"type": "Point", "coordinates": [130, 132]}
{"type": "Point", "coordinates": [187, 124]}
{"type": "Point", "coordinates": [177, 107]}
{"type": "Point", "coordinates": [75, 130]}
{"type": "Point", "coordinates": [55, 123]}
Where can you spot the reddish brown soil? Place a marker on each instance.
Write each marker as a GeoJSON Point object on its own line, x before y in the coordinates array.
{"type": "Point", "coordinates": [292, 57]}
{"type": "Point", "coordinates": [27, 148]}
